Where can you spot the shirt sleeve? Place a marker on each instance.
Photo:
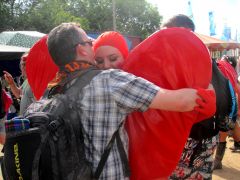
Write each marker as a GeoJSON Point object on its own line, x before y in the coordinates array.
{"type": "Point", "coordinates": [131, 92]}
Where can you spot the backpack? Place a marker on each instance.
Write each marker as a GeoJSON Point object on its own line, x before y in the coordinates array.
{"type": "Point", "coordinates": [226, 113]}
{"type": "Point", "coordinates": [48, 144]}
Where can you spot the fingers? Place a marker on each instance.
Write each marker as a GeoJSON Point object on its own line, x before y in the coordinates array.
{"type": "Point", "coordinates": [206, 102]}
{"type": "Point", "coordinates": [7, 74]}
{"type": "Point", "coordinates": [8, 77]}
{"type": "Point", "coordinates": [199, 109]}
{"type": "Point", "coordinates": [206, 94]}
{"type": "Point", "coordinates": [200, 102]}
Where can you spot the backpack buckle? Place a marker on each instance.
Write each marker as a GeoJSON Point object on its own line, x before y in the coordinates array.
{"type": "Point", "coordinates": [55, 90]}
{"type": "Point", "coordinates": [52, 126]}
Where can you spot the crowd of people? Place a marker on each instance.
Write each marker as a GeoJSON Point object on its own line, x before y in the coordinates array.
{"type": "Point", "coordinates": [113, 94]}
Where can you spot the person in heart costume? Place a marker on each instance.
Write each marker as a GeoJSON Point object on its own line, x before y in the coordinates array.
{"type": "Point", "coordinates": [40, 67]}
{"type": "Point", "coordinates": [174, 59]}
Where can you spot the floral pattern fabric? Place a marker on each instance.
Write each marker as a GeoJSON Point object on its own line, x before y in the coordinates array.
{"type": "Point", "coordinates": [196, 162]}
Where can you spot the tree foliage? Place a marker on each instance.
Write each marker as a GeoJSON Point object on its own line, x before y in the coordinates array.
{"type": "Point", "coordinates": [133, 17]}
{"type": "Point", "coordinates": [137, 17]}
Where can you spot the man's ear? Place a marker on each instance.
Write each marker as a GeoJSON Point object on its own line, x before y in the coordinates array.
{"type": "Point", "coordinates": [80, 50]}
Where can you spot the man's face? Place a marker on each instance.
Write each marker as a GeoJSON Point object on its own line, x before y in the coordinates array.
{"type": "Point", "coordinates": [87, 46]}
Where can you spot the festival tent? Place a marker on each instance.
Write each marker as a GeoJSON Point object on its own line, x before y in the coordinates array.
{"type": "Point", "coordinates": [9, 59]}
{"type": "Point", "coordinates": [20, 38]}
{"type": "Point", "coordinates": [218, 47]}
{"type": "Point", "coordinates": [215, 44]}
{"type": "Point", "coordinates": [12, 45]}
{"type": "Point", "coordinates": [11, 52]}
{"type": "Point", "coordinates": [9, 49]}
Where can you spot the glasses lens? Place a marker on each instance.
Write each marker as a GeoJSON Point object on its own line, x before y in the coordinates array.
{"type": "Point", "coordinates": [90, 43]}
{"type": "Point", "coordinates": [86, 42]}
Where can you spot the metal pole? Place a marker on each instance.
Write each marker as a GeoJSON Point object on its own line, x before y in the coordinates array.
{"type": "Point", "coordinates": [114, 15]}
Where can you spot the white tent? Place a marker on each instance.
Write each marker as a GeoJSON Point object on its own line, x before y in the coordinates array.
{"type": "Point", "coordinates": [6, 48]}
{"type": "Point", "coordinates": [20, 38]}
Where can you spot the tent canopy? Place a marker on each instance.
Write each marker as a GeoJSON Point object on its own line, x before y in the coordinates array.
{"type": "Point", "coordinates": [20, 38]}
{"type": "Point", "coordinates": [11, 52]}
{"type": "Point", "coordinates": [215, 44]}
{"type": "Point", "coordinates": [9, 49]}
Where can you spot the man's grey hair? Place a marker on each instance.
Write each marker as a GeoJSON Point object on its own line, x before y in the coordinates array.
{"type": "Point", "coordinates": [62, 42]}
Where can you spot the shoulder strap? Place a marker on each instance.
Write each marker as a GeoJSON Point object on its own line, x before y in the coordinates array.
{"type": "Point", "coordinates": [123, 156]}
{"type": "Point", "coordinates": [70, 80]}
{"type": "Point", "coordinates": [106, 153]}
{"type": "Point", "coordinates": [88, 74]}
{"type": "Point", "coordinates": [233, 113]}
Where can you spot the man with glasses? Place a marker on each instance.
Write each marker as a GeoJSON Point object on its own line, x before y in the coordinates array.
{"type": "Point", "coordinates": [109, 97]}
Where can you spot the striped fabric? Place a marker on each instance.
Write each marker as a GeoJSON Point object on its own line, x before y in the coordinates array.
{"type": "Point", "coordinates": [16, 124]}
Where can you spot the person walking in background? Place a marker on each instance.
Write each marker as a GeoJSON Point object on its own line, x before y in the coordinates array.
{"type": "Point", "coordinates": [24, 92]}
{"type": "Point", "coordinates": [110, 96]}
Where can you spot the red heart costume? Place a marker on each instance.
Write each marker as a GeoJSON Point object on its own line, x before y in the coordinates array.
{"type": "Point", "coordinates": [171, 58]}
{"type": "Point", "coordinates": [40, 67]}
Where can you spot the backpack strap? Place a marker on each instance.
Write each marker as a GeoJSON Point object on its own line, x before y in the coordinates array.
{"type": "Point", "coordinates": [36, 160]}
{"type": "Point", "coordinates": [123, 156]}
{"type": "Point", "coordinates": [71, 78]}
{"type": "Point", "coordinates": [122, 152]}
{"type": "Point", "coordinates": [233, 113]}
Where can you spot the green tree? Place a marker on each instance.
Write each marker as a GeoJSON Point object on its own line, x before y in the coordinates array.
{"type": "Point", "coordinates": [7, 11]}
{"type": "Point", "coordinates": [14, 14]}
{"type": "Point", "coordinates": [98, 13]}
{"type": "Point", "coordinates": [49, 13]}
{"type": "Point", "coordinates": [40, 15]}
{"type": "Point", "coordinates": [137, 17]}
{"type": "Point", "coordinates": [133, 17]}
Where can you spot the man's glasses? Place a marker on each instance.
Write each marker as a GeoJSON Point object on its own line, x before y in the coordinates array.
{"type": "Point", "coordinates": [90, 43]}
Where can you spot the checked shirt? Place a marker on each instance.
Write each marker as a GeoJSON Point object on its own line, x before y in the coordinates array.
{"type": "Point", "coordinates": [104, 104]}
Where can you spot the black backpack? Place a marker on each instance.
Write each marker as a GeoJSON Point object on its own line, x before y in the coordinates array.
{"type": "Point", "coordinates": [226, 113]}
{"type": "Point", "coordinates": [52, 147]}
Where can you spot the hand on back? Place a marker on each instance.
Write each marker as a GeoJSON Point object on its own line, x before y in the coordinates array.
{"type": "Point", "coordinates": [206, 102]}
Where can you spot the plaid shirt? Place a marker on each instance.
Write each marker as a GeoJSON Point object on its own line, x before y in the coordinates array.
{"type": "Point", "coordinates": [105, 103]}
